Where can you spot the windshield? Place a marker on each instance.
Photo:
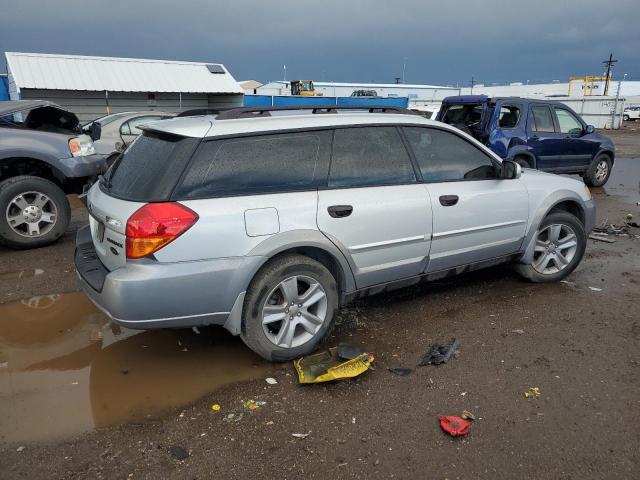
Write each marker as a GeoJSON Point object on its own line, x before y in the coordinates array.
{"type": "Point", "coordinates": [107, 119]}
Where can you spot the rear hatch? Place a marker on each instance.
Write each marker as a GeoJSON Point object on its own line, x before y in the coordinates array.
{"type": "Point", "coordinates": [469, 113]}
{"type": "Point", "coordinates": [146, 172]}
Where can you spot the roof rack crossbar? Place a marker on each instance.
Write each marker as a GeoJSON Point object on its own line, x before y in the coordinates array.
{"type": "Point", "coordinates": [252, 112]}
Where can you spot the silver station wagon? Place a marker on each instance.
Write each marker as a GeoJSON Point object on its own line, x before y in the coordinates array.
{"type": "Point", "coordinates": [266, 221]}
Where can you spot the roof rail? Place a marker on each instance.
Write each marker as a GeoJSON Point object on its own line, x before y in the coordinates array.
{"type": "Point", "coordinates": [252, 112]}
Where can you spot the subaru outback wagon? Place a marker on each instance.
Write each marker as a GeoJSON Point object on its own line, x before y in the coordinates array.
{"type": "Point", "coordinates": [267, 221]}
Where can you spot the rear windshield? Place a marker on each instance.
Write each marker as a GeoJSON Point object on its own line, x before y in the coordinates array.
{"type": "Point", "coordinates": [150, 168]}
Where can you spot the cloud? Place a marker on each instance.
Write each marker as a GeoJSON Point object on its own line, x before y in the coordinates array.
{"type": "Point", "coordinates": [359, 40]}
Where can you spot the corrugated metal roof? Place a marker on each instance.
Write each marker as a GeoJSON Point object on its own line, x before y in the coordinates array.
{"type": "Point", "coordinates": [76, 72]}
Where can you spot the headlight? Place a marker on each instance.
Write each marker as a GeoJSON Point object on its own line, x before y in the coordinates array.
{"type": "Point", "coordinates": [80, 147]}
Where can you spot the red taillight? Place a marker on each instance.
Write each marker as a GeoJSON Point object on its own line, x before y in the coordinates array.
{"type": "Point", "coordinates": [156, 224]}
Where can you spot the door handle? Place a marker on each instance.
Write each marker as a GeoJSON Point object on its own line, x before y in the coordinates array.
{"type": "Point", "coordinates": [535, 137]}
{"type": "Point", "coordinates": [340, 211]}
{"type": "Point", "coordinates": [448, 200]}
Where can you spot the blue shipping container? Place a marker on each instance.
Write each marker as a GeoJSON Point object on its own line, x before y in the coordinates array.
{"type": "Point", "coordinates": [291, 101]}
{"type": "Point", "coordinates": [4, 88]}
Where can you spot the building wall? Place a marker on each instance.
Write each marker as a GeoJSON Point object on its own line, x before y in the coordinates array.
{"type": "Point", "coordinates": [424, 93]}
{"type": "Point", "coordinates": [90, 105]}
{"type": "Point", "coordinates": [4, 88]}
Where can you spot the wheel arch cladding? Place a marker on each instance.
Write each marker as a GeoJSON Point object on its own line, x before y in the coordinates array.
{"type": "Point", "coordinates": [19, 166]}
{"type": "Point", "coordinates": [312, 244]}
{"type": "Point", "coordinates": [561, 200]}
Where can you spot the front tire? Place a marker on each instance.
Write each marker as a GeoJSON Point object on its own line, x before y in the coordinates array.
{"type": "Point", "coordinates": [625, 118]}
{"type": "Point", "coordinates": [289, 308]}
{"type": "Point", "coordinates": [560, 245]}
{"type": "Point", "coordinates": [523, 162]}
{"type": "Point", "coordinates": [33, 212]}
{"type": "Point", "coordinates": [599, 171]}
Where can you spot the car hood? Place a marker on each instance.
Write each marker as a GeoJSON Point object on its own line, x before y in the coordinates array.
{"type": "Point", "coordinates": [13, 106]}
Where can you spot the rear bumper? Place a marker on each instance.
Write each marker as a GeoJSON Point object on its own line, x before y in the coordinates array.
{"type": "Point", "coordinates": [147, 295]}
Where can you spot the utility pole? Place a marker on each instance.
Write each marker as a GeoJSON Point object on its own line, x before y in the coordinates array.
{"type": "Point", "coordinates": [472, 83]}
{"type": "Point", "coordinates": [404, 66]}
{"type": "Point", "coordinates": [609, 63]}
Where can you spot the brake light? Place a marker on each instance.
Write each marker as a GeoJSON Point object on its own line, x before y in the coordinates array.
{"type": "Point", "coordinates": [155, 225]}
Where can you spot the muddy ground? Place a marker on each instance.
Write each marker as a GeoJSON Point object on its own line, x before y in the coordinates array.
{"type": "Point", "coordinates": [80, 398]}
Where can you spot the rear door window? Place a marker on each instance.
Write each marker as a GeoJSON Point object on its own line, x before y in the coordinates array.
{"type": "Point", "coordinates": [258, 164]}
{"type": "Point", "coordinates": [149, 169]}
{"type": "Point", "coordinates": [369, 156]}
{"type": "Point", "coordinates": [567, 121]}
{"type": "Point", "coordinates": [509, 116]}
{"type": "Point", "coordinates": [543, 119]}
{"type": "Point", "coordinates": [445, 157]}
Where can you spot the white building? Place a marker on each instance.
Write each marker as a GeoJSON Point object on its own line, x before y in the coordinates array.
{"type": "Point", "coordinates": [95, 86]}
{"type": "Point", "coordinates": [415, 93]}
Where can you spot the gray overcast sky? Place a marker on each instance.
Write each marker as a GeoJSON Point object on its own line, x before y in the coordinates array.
{"type": "Point", "coordinates": [443, 41]}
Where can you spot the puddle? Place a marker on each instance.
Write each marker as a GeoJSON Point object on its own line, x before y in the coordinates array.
{"type": "Point", "coordinates": [65, 369]}
{"type": "Point", "coordinates": [624, 180]}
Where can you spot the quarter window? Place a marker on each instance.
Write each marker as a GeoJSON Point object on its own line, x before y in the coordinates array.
{"type": "Point", "coordinates": [257, 164]}
{"type": "Point", "coordinates": [445, 157]}
{"type": "Point", "coordinates": [567, 122]}
{"type": "Point", "coordinates": [369, 156]}
{"type": "Point", "coordinates": [509, 116]}
{"type": "Point", "coordinates": [543, 119]}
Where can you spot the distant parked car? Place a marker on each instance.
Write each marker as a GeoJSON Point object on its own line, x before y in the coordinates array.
{"type": "Point", "coordinates": [118, 130]}
{"type": "Point", "coordinates": [364, 93]}
{"type": "Point", "coordinates": [43, 156]}
{"type": "Point", "coordinates": [541, 134]}
{"type": "Point", "coordinates": [267, 222]}
{"type": "Point", "coordinates": [631, 113]}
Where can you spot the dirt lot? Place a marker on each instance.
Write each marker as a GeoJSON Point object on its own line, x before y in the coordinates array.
{"type": "Point", "coordinates": [81, 398]}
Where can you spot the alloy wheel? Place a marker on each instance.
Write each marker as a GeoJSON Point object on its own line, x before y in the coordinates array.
{"type": "Point", "coordinates": [31, 214]}
{"type": "Point", "coordinates": [602, 169]}
{"type": "Point", "coordinates": [556, 245]}
{"type": "Point", "coordinates": [294, 311]}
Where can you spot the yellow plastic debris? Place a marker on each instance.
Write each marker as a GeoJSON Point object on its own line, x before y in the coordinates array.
{"type": "Point", "coordinates": [215, 408]}
{"type": "Point", "coordinates": [326, 366]}
{"type": "Point", "coordinates": [533, 392]}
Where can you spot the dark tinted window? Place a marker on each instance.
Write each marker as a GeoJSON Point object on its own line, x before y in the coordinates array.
{"type": "Point", "coordinates": [444, 156]}
{"type": "Point", "coordinates": [369, 156]}
{"type": "Point", "coordinates": [265, 163]}
{"type": "Point", "coordinates": [509, 116]}
{"type": "Point", "coordinates": [149, 169]}
{"type": "Point", "coordinates": [543, 119]}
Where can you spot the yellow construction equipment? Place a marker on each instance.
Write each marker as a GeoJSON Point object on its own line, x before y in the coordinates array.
{"type": "Point", "coordinates": [303, 88]}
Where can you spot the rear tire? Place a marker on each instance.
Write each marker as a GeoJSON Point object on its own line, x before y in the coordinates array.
{"type": "Point", "coordinates": [289, 308]}
{"type": "Point", "coordinates": [599, 171]}
{"type": "Point", "coordinates": [33, 212]}
{"type": "Point", "coordinates": [557, 251]}
{"type": "Point", "coordinates": [625, 118]}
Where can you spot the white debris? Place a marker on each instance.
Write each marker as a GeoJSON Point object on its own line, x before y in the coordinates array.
{"type": "Point", "coordinates": [595, 289]}
{"type": "Point", "coordinates": [20, 448]}
{"type": "Point", "coordinates": [271, 381]}
{"type": "Point", "coordinates": [519, 331]}
{"type": "Point", "coordinates": [195, 330]}
{"type": "Point", "coordinates": [300, 435]}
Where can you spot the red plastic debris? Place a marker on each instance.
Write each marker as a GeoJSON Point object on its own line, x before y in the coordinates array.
{"type": "Point", "coordinates": [454, 426]}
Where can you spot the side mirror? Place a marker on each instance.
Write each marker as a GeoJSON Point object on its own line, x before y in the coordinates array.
{"type": "Point", "coordinates": [95, 131]}
{"type": "Point", "coordinates": [510, 170]}
{"type": "Point", "coordinates": [589, 129]}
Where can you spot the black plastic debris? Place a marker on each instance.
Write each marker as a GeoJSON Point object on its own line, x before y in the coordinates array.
{"type": "Point", "coordinates": [402, 372]}
{"type": "Point", "coordinates": [439, 353]}
{"type": "Point", "coordinates": [349, 352]}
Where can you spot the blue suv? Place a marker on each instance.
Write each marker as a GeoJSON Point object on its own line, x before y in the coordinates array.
{"type": "Point", "coordinates": [541, 134]}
